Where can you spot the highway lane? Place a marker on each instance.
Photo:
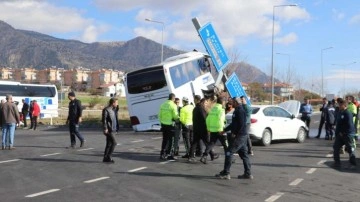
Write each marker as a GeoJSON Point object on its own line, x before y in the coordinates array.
{"type": "Point", "coordinates": [41, 169]}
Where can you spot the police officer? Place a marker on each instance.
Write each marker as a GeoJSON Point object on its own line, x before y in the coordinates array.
{"type": "Point", "coordinates": [168, 114]}
{"type": "Point", "coordinates": [177, 130]}
{"type": "Point", "coordinates": [215, 122]}
{"type": "Point", "coordinates": [343, 134]}
{"type": "Point", "coordinates": [186, 124]}
{"type": "Point", "coordinates": [239, 144]}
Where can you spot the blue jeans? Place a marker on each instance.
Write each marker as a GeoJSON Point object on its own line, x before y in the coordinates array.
{"type": "Point", "coordinates": [8, 132]}
{"type": "Point", "coordinates": [239, 145]}
{"type": "Point", "coordinates": [74, 130]}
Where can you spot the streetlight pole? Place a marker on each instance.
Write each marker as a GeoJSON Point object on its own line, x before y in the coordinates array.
{"type": "Point", "coordinates": [272, 50]}
{"type": "Point", "coordinates": [344, 67]}
{"type": "Point", "coordinates": [288, 74]}
{"type": "Point", "coordinates": [162, 36]}
{"type": "Point", "coordinates": [322, 70]}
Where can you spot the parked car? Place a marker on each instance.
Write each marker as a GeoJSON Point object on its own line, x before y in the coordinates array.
{"type": "Point", "coordinates": [275, 122]}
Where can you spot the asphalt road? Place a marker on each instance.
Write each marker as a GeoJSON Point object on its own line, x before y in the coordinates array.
{"type": "Point", "coordinates": [42, 169]}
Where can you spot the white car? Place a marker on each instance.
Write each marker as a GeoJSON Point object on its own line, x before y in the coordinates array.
{"type": "Point", "coordinates": [275, 122]}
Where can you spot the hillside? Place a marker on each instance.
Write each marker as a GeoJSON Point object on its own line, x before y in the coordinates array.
{"type": "Point", "coordinates": [22, 48]}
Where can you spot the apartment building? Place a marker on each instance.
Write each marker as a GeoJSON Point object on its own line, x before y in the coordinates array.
{"type": "Point", "coordinates": [78, 79]}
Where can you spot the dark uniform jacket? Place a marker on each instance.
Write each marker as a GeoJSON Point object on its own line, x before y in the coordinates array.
{"type": "Point", "coordinates": [75, 111]}
{"type": "Point", "coordinates": [238, 122]}
{"type": "Point", "coordinates": [345, 124]}
{"type": "Point", "coordinates": [25, 108]}
{"type": "Point", "coordinates": [199, 120]}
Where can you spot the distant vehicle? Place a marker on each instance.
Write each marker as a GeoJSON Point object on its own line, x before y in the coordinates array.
{"type": "Point", "coordinates": [146, 89]}
{"type": "Point", "coordinates": [45, 95]}
{"type": "Point", "coordinates": [271, 122]}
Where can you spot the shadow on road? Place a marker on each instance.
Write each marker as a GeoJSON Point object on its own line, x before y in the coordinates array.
{"type": "Point", "coordinates": [157, 174]}
{"type": "Point", "coordinates": [59, 160]}
{"type": "Point", "coordinates": [345, 166]}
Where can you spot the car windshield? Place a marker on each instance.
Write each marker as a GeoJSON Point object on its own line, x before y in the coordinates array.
{"type": "Point", "coordinates": [255, 110]}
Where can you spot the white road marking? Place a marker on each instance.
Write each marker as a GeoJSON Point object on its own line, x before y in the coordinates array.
{"type": "Point", "coordinates": [274, 197]}
{"type": "Point", "coordinates": [97, 179]}
{"type": "Point", "coordinates": [296, 182]}
{"type": "Point", "coordinates": [85, 149]}
{"type": "Point", "coordinates": [53, 154]}
{"type": "Point", "coordinates": [118, 144]}
{"type": "Point", "coordinates": [311, 170]}
{"type": "Point", "coordinates": [42, 193]}
{"type": "Point", "coordinates": [329, 155]}
{"type": "Point", "coordinates": [321, 162]}
{"type": "Point", "coordinates": [10, 161]}
{"type": "Point", "coordinates": [136, 169]}
{"type": "Point", "coordinates": [135, 141]}
{"type": "Point", "coordinates": [156, 138]}
{"type": "Point", "coordinates": [164, 162]}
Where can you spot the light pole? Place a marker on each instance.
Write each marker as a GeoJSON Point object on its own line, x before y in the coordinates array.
{"type": "Point", "coordinates": [288, 74]}
{"type": "Point", "coordinates": [322, 71]}
{"type": "Point", "coordinates": [344, 67]}
{"type": "Point", "coordinates": [272, 50]}
{"type": "Point", "coordinates": [162, 36]}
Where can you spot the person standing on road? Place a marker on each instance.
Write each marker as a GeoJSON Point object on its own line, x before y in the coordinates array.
{"type": "Point", "coordinates": [74, 119]}
{"type": "Point", "coordinates": [109, 122]}
{"type": "Point", "coordinates": [344, 135]}
{"type": "Point", "coordinates": [178, 130]}
{"type": "Point", "coordinates": [353, 110]}
{"type": "Point", "coordinates": [306, 112]}
{"type": "Point", "coordinates": [9, 118]}
{"type": "Point", "coordinates": [329, 121]}
{"type": "Point", "coordinates": [25, 111]}
{"type": "Point", "coordinates": [31, 109]}
{"type": "Point", "coordinates": [187, 125]}
{"type": "Point", "coordinates": [215, 122]}
{"type": "Point", "coordinates": [248, 111]}
{"type": "Point", "coordinates": [199, 126]}
{"type": "Point", "coordinates": [322, 117]}
{"type": "Point", "coordinates": [35, 114]}
{"type": "Point", "coordinates": [168, 114]}
{"type": "Point", "coordinates": [239, 145]}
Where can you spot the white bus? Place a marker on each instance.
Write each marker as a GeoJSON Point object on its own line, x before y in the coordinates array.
{"type": "Point", "coordinates": [146, 89]}
{"type": "Point", "coordinates": [45, 95]}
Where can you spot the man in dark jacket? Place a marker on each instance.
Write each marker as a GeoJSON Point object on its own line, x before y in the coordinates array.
{"type": "Point", "coordinates": [74, 119]}
{"type": "Point", "coordinates": [239, 144]}
{"type": "Point", "coordinates": [109, 122]}
{"type": "Point", "coordinates": [344, 134]}
{"type": "Point", "coordinates": [25, 111]}
{"type": "Point", "coordinates": [199, 127]}
{"type": "Point", "coordinates": [322, 117]}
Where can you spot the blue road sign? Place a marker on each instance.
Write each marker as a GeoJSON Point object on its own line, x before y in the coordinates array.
{"type": "Point", "coordinates": [235, 88]}
{"type": "Point", "coordinates": [213, 46]}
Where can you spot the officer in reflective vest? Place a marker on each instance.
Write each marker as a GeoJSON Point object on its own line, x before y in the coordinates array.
{"type": "Point", "coordinates": [168, 114]}
{"type": "Point", "coordinates": [187, 124]}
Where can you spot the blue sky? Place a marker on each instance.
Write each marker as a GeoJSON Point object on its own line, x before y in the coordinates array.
{"type": "Point", "coordinates": [302, 33]}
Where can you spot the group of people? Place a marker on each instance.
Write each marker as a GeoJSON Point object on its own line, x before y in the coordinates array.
{"type": "Point", "coordinates": [33, 110]}
{"type": "Point", "coordinates": [10, 118]}
{"type": "Point", "coordinates": [341, 120]}
{"type": "Point", "coordinates": [199, 124]}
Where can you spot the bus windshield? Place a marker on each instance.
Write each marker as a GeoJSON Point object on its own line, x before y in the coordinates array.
{"type": "Point", "coordinates": [189, 71]}
{"type": "Point", "coordinates": [27, 90]}
{"type": "Point", "coordinates": [146, 80]}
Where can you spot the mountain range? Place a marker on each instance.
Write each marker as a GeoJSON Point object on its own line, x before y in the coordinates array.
{"type": "Point", "coordinates": [23, 48]}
